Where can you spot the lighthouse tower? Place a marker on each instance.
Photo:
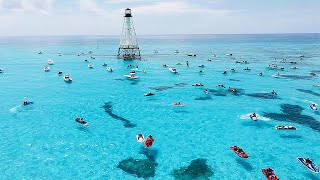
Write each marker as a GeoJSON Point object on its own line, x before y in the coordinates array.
{"type": "Point", "coordinates": [128, 49]}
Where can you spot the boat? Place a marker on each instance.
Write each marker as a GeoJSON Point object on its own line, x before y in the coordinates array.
{"type": "Point", "coordinates": [314, 107]}
{"type": "Point", "coordinates": [179, 104]}
{"type": "Point", "coordinates": [173, 70]}
{"type": "Point", "coordinates": [247, 69]}
{"type": "Point", "coordinates": [149, 94]}
{"type": "Point", "coordinates": [221, 86]}
{"type": "Point", "coordinates": [177, 51]}
{"type": "Point", "coordinates": [179, 64]}
{"type": "Point", "coordinates": [90, 66]}
{"type": "Point", "coordinates": [197, 84]}
{"type": "Point", "coordinates": [192, 54]}
{"type": "Point", "coordinates": [50, 62]}
{"type": "Point", "coordinates": [316, 85]}
{"type": "Point", "coordinates": [155, 51]}
{"type": "Point", "coordinates": [46, 68]}
{"type": "Point", "coordinates": [131, 76]}
{"type": "Point", "coordinates": [279, 127]}
{"type": "Point", "coordinates": [149, 141]}
{"type": "Point", "coordinates": [295, 67]}
{"type": "Point", "coordinates": [132, 72]}
{"type": "Point", "coordinates": [109, 69]}
{"type": "Point", "coordinates": [40, 53]}
{"type": "Point", "coordinates": [140, 138]}
{"type": "Point", "coordinates": [229, 54]}
{"type": "Point", "coordinates": [59, 73]}
{"type": "Point", "coordinates": [202, 66]}
{"type": "Point", "coordinates": [239, 151]}
{"type": "Point", "coordinates": [164, 65]}
{"type": "Point", "coordinates": [312, 74]}
{"type": "Point", "coordinates": [86, 60]}
{"type": "Point", "coordinates": [254, 117]}
{"type": "Point", "coordinates": [269, 174]}
{"type": "Point", "coordinates": [104, 65]}
{"type": "Point", "coordinates": [309, 164]}
{"type": "Point", "coordinates": [59, 54]}
{"type": "Point", "coordinates": [81, 121]}
{"type": "Point", "coordinates": [67, 78]}
{"type": "Point", "coordinates": [26, 103]}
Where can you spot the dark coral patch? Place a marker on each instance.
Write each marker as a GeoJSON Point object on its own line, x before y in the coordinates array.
{"type": "Point", "coordinates": [141, 168]}
{"type": "Point", "coordinates": [309, 92]}
{"type": "Point", "coordinates": [108, 109]}
{"type": "Point", "coordinates": [180, 84]}
{"type": "Point", "coordinates": [245, 164]}
{"type": "Point", "coordinates": [204, 98]}
{"type": "Point", "coordinates": [292, 113]}
{"type": "Point", "coordinates": [198, 169]}
{"type": "Point", "coordinates": [161, 88]}
{"type": "Point", "coordinates": [263, 95]}
{"type": "Point", "coordinates": [296, 77]}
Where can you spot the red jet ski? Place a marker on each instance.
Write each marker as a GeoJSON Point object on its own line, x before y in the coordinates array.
{"type": "Point", "coordinates": [269, 174]}
{"type": "Point", "coordinates": [149, 141]}
{"type": "Point", "coordinates": [239, 151]}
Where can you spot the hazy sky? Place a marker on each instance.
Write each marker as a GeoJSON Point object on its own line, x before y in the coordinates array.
{"type": "Point", "coordinates": [105, 17]}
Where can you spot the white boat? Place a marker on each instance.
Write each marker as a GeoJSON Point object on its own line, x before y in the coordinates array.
{"type": "Point", "coordinates": [46, 68]}
{"type": "Point", "coordinates": [90, 66]}
{"type": "Point", "coordinates": [177, 51]}
{"type": "Point", "coordinates": [109, 69]}
{"type": "Point", "coordinates": [67, 78]}
{"type": "Point", "coordinates": [50, 62]}
{"type": "Point", "coordinates": [59, 54]}
{"type": "Point", "coordinates": [173, 70]}
{"type": "Point", "coordinates": [178, 104]}
{"type": "Point", "coordinates": [131, 76]}
{"type": "Point", "coordinates": [314, 107]}
{"type": "Point", "coordinates": [229, 54]}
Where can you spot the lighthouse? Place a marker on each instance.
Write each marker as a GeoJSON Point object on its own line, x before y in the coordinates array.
{"type": "Point", "coordinates": [128, 48]}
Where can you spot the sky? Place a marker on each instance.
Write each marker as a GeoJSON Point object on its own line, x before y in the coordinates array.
{"type": "Point", "coordinates": [155, 17]}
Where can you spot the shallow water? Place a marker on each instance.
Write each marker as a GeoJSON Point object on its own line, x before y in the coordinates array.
{"type": "Point", "coordinates": [42, 141]}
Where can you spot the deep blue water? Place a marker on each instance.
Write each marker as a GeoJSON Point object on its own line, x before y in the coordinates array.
{"type": "Point", "coordinates": [42, 141]}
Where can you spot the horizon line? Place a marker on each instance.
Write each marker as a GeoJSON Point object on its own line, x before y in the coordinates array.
{"type": "Point", "coordinates": [160, 34]}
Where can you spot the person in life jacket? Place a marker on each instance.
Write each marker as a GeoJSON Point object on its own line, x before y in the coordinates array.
{"type": "Point", "coordinates": [149, 141]}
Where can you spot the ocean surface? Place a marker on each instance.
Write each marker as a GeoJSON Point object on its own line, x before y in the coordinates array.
{"type": "Point", "coordinates": [43, 141]}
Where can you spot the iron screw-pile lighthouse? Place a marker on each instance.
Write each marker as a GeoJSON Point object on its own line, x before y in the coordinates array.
{"type": "Point", "coordinates": [128, 49]}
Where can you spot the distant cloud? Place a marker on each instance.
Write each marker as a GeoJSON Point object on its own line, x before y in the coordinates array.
{"type": "Point", "coordinates": [35, 6]}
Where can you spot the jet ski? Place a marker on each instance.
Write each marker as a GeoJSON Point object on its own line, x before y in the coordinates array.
{"type": "Point", "coordinates": [26, 103]}
{"type": "Point", "coordinates": [46, 68]}
{"type": "Point", "coordinates": [81, 121]}
{"type": "Point", "coordinates": [279, 127]}
{"type": "Point", "coordinates": [131, 76]}
{"type": "Point", "coordinates": [177, 104]}
{"type": "Point", "coordinates": [269, 174]}
{"type": "Point", "coordinates": [314, 107]}
{"type": "Point", "coordinates": [140, 138]}
{"type": "Point", "coordinates": [197, 84]}
{"type": "Point", "coordinates": [59, 73]}
{"type": "Point", "coordinates": [149, 94]}
{"type": "Point", "coordinates": [149, 141]}
{"type": "Point", "coordinates": [109, 69]}
{"type": "Point", "coordinates": [309, 164]}
{"type": "Point", "coordinates": [239, 151]}
{"type": "Point", "coordinates": [173, 70]}
{"type": "Point", "coordinates": [254, 117]}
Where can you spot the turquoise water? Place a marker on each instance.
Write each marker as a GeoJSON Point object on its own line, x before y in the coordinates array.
{"type": "Point", "coordinates": [42, 141]}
